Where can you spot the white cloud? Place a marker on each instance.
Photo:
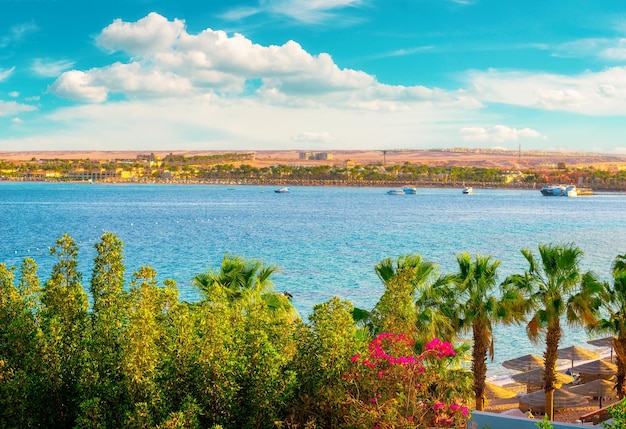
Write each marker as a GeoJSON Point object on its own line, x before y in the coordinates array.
{"type": "Point", "coordinates": [165, 60]}
{"type": "Point", "coordinates": [310, 137]}
{"type": "Point", "coordinates": [496, 134]}
{"type": "Point", "coordinates": [14, 94]}
{"type": "Point", "coordinates": [310, 11]}
{"type": "Point", "coordinates": [80, 86]}
{"type": "Point", "coordinates": [8, 108]}
{"type": "Point", "coordinates": [47, 68]}
{"type": "Point", "coordinates": [17, 33]}
{"type": "Point", "coordinates": [151, 34]}
{"type": "Point", "coordinates": [16, 120]}
{"type": "Point", "coordinates": [588, 93]}
{"type": "Point", "coordinates": [5, 73]}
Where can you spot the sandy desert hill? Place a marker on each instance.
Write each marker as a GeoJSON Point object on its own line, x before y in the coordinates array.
{"type": "Point", "coordinates": [433, 157]}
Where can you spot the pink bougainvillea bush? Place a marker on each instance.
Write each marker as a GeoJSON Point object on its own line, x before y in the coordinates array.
{"type": "Point", "coordinates": [393, 387]}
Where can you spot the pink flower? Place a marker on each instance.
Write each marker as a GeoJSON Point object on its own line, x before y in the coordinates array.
{"type": "Point", "coordinates": [356, 357]}
{"type": "Point", "coordinates": [438, 405]}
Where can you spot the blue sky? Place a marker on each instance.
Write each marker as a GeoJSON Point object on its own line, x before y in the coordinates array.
{"type": "Point", "coordinates": [312, 74]}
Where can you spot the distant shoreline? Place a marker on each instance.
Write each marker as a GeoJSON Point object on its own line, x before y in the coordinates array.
{"type": "Point", "coordinates": [318, 183]}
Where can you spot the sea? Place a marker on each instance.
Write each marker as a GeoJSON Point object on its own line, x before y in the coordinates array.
{"type": "Point", "coordinates": [325, 241]}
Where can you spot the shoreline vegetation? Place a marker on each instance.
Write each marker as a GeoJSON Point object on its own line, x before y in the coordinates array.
{"type": "Point", "coordinates": [136, 356]}
{"type": "Point", "coordinates": [479, 168]}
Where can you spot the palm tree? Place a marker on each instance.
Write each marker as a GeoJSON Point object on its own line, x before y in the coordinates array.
{"type": "Point", "coordinates": [614, 304]}
{"type": "Point", "coordinates": [244, 284]}
{"type": "Point", "coordinates": [480, 304]}
{"type": "Point", "coordinates": [556, 288]}
{"type": "Point", "coordinates": [408, 305]}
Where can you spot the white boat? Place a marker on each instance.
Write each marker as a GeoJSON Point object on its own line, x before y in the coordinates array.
{"type": "Point", "coordinates": [559, 191]}
{"type": "Point", "coordinates": [468, 190]}
{"type": "Point", "coordinates": [281, 190]}
{"type": "Point", "coordinates": [409, 190]}
{"type": "Point", "coordinates": [395, 192]}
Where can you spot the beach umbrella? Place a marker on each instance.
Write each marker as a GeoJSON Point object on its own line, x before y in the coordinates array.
{"type": "Point", "coordinates": [535, 377]}
{"type": "Point", "coordinates": [597, 388]}
{"type": "Point", "coordinates": [603, 342]}
{"type": "Point", "coordinates": [494, 391]}
{"type": "Point", "coordinates": [562, 399]}
{"type": "Point", "coordinates": [577, 353]}
{"type": "Point", "coordinates": [596, 367]}
{"type": "Point", "coordinates": [524, 363]}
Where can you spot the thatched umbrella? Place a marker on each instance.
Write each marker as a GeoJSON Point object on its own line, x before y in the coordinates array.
{"type": "Point", "coordinates": [596, 388]}
{"type": "Point", "coordinates": [535, 377]}
{"type": "Point", "coordinates": [493, 391]}
{"type": "Point", "coordinates": [562, 399]}
{"type": "Point", "coordinates": [577, 353]}
{"type": "Point", "coordinates": [596, 367]}
{"type": "Point", "coordinates": [524, 363]}
{"type": "Point", "coordinates": [603, 342]}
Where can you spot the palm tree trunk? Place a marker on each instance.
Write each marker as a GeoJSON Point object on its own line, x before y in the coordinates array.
{"type": "Point", "coordinates": [619, 345]}
{"type": "Point", "coordinates": [479, 363]}
{"type": "Point", "coordinates": [553, 336]}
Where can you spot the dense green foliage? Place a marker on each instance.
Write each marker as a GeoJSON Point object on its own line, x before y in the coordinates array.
{"type": "Point", "coordinates": [132, 355]}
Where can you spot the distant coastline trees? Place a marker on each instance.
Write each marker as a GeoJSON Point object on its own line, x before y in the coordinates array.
{"type": "Point", "coordinates": [236, 168]}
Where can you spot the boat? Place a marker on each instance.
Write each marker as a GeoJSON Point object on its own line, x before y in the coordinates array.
{"type": "Point", "coordinates": [409, 190]}
{"type": "Point", "coordinates": [395, 192]}
{"type": "Point", "coordinates": [468, 190]}
{"type": "Point", "coordinates": [559, 191]}
{"type": "Point", "coordinates": [281, 190]}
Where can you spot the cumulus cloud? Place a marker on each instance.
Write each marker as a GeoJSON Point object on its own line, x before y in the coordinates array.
{"type": "Point", "coordinates": [165, 61]}
{"type": "Point", "coordinates": [47, 68]}
{"type": "Point", "coordinates": [496, 134]}
{"type": "Point", "coordinates": [79, 85]}
{"type": "Point", "coordinates": [14, 94]}
{"type": "Point", "coordinates": [8, 108]}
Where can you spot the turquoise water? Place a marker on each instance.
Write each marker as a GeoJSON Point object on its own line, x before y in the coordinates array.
{"type": "Point", "coordinates": [326, 241]}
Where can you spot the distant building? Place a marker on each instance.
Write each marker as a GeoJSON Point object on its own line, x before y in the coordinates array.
{"type": "Point", "coordinates": [317, 156]}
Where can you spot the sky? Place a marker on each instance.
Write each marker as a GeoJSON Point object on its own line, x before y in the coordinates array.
{"type": "Point", "coordinates": [313, 75]}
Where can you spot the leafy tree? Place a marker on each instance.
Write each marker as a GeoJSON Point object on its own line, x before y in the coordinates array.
{"type": "Point", "coordinates": [324, 348]}
{"type": "Point", "coordinates": [102, 395]}
{"type": "Point", "coordinates": [64, 322]}
{"type": "Point", "coordinates": [144, 344]}
{"type": "Point", "coordinates": [556, 289]}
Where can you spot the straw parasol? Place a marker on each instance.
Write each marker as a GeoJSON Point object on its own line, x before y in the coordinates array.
{"type": "Point", "coordinates": [493, 391]}
{"type": "Point", "coordinates": [524, 363]}
{"type": "Point", "coordinates": [596, 388]}
{"type": "Point", "coordinates": [577, 353]}
{"type": "Point", "coordinates": [603, 342]}
{"type": "Point", "coordinates": [562, 399]}
{"type": "Point", "coordinates": [535, 377]}
{"type": "Point", "coordinates": [596, 367]}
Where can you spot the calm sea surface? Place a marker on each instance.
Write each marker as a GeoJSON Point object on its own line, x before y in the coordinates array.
{"type": "Point", "coordinates": [326, 241]}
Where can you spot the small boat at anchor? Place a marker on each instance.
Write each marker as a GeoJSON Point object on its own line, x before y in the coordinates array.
{"type": "Point", "coordinates": [559, 191]}
{"type": "Point", "coordinates": [409, 190]}
{"type": "Point", "coordinates": [468, 190]}
{"type": "Point", "coordinates": [396, 192]}
{"type": "Point", "coordinates": [282, 190]}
